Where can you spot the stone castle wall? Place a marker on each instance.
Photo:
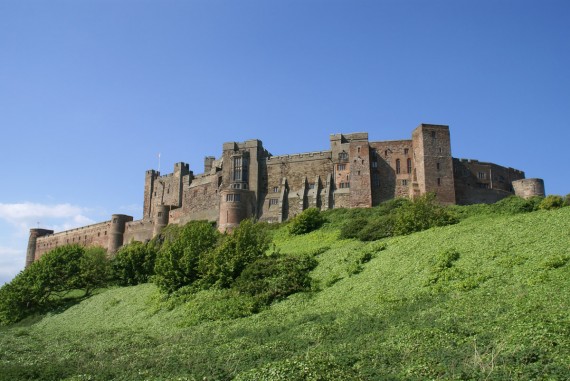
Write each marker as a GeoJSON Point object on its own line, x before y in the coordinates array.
{"type": "Point", "coordinates": [248, 182]}
{"type": "Point", "coordinates": [481, 182]}
{"type": "Point", "coordinates": [108, 234]}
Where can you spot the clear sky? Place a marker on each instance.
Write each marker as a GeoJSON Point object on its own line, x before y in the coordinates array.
{"type": "Point", "coordinates": [92, 91]}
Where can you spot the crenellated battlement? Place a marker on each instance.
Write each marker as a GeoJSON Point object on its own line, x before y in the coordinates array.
{"type": "Point", "coordinates": [299, 157]}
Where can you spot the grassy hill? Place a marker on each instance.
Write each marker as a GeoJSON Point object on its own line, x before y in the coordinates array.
{"type": "Point", "coordinates": [485, 299]}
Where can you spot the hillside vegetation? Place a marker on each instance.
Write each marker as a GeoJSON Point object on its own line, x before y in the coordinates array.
{"type": "Point", "coordinates": [486, 298]}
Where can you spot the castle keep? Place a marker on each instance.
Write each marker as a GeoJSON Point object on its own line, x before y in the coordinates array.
{"type": "Point", "coordinates": [247, 181]}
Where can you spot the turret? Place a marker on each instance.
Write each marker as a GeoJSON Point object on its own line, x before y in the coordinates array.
{"type": "Point", "coordinates": [160, 219]}
{"type": "Point", "coordinates": [235, 206]}
{"type": "Point", "coordinates": [32, 242]}
{"type": "Point", "coordinates": [527, 188]}
{"type": "Point", "coordinates": [208, 161]}
{"type": "Point", "coordinates": [118, 222]}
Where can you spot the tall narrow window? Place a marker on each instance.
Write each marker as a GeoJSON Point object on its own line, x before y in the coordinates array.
{"type": "Point", "coordinates": [397, 165]}
{"type": "Point", "coordinates": [237, 169]}
{"type": "Point", "coordinates": [406, 150]}
{"type": "Point", "coordinates": [438, 181]}
{"type": "Point", "coordinates": [438, 166]}
{"type": "Point", "coordinates": [409, 165]}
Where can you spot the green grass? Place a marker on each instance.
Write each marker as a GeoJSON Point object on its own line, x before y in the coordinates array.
{"type": "Point", "coordinates": [485, 299]}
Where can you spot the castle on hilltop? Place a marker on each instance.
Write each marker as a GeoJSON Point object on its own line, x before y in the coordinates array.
{"type": "Point", "coordinates": [247, 181]}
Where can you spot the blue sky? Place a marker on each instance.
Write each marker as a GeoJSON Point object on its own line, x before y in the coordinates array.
{"type": "Point", "coordinates": [92, 91]}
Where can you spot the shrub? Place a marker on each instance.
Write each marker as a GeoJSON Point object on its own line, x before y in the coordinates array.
{"type": "Point", "coordinates": [18, 299]}
{"type": "Point", "coordinates": [567, 200]}
{"type": "Point", "coordinates": [177, 260]}
{"type": "Point", "coordinates": [352, 227]}
{"type": "Point", "coordinates": [41, 286]}
{"type": "Point", "coordinates": [221, 266]}
{"type": "Point", "coordinates": [393, 204]}
{"type": "Point", "coordinates": [134, 263]}
{"type": "Point", "coordinates": [516, 204]}
{"type": "Point", "coordinates": [422, 213]}
{"type": "Point", "coordinates": [276, 277]}
{"type": "Point", "coordinates": [377, 228]}
{"type": "Point", "coordinates": [95, 269]}
{"type": "Point", "coordinates": [551, 202]}
{"type": "Point", "coordinates": [309, 220]}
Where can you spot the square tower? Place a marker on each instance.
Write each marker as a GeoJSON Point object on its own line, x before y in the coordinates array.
{"type": "Point", "coordinates": [433, 164]}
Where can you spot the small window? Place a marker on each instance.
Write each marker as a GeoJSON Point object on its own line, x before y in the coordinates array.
{"type": "Point", "coordinates": [397, 165]}
{"type": "Point", "coordinates": [433, 134]}
{"type": "Point", "coordinates": [386, 153]}
{"type": "Point", "coordinates": [341, 167]}
{"type": "Point", "coordinates": [481, 175]}
{"type": "Point", "coordinates": [376, 180]}
{"type": "Point", "coordinates": [374, 164]}
{"type": "Point", "coordinates": [159, 214]}
{"type": "Point", "coordinates": [440, 150]}
{"type": "Point", "coordinates": [105, 232]}
{"type": "Point", "coordinates": [275, 189]}
{"type": "Point", "coordinates": [233, 197]}
{"type": "Point", "coordinates": [358, 149]}
{"type": "Point", "coordinates": [312, 186]}
{"type": "Point", "coordinates": [406, 151]}
{"type": "Point", "coordinates": [343, 156]}
{"type": "Point", "coordinates": [405, 182]}
{"type": "Point", "coordinates": [273, 201]}
{"type": "Point", "coordinates": [438, 181]}
{"type": "Point", "coordinates": [438, 166]}
{"type": "Point", "coordinates": [344, 185]}
{"type": "Point", "coordinates": [358, 173]}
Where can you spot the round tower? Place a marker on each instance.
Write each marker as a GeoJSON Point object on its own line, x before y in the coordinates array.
{"type": "Point", "coordinates": [160, 219]}
{"type": "Point", "coordinates": [118, 222]}
{"type": "Point", "coordinates": [32, 242]}
{"type": "Point", "coordinates": [235, 206]}
{"type": "Point", "coordinates": [527, 188]}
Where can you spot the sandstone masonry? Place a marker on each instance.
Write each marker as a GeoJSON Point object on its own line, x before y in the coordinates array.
{"type": "Point", "coordinates": [247, 181]}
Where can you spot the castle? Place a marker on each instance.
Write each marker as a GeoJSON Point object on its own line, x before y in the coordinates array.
{"type": "Point", "coordinates": [247, 181]}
